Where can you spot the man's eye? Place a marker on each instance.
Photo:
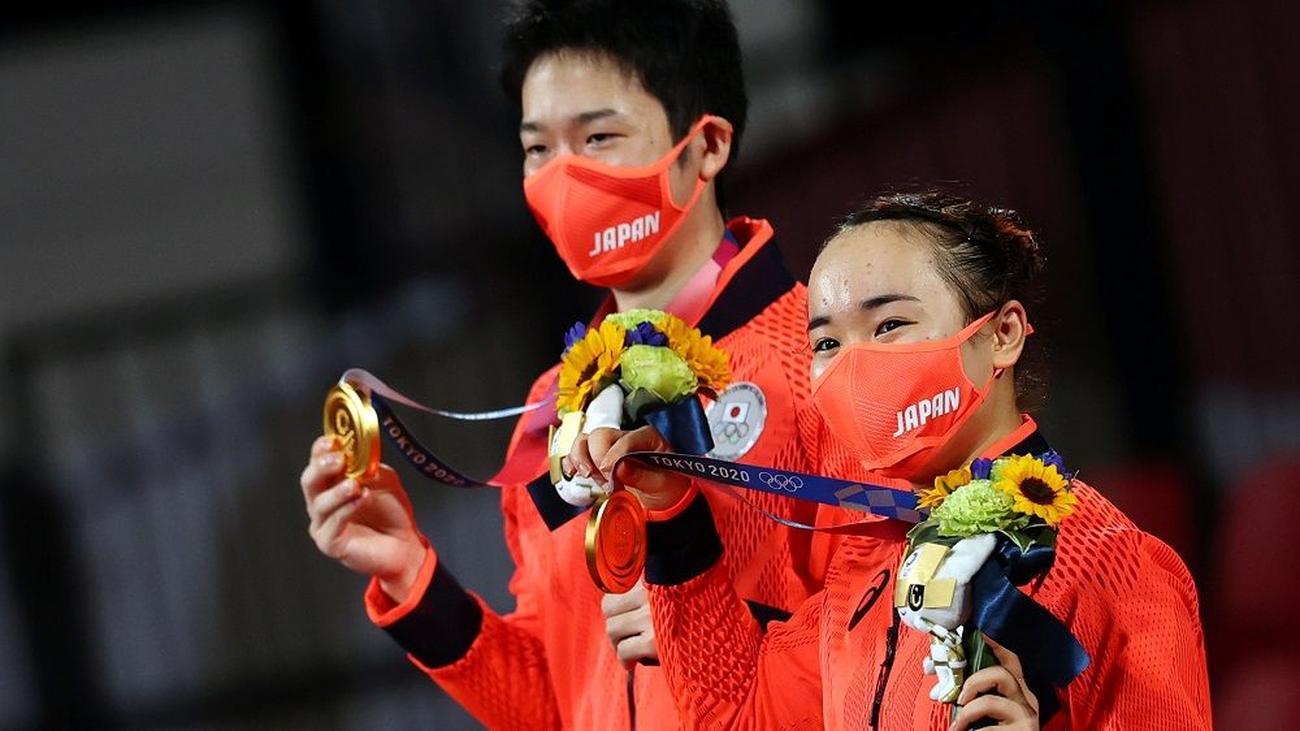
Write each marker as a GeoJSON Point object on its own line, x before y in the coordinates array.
{"type": "Point", "coordinates": [889, 326]}
{"type": "Point", "coordinates": [599, 137]}
{"type": "Point", "coordinates": [824, 344]}
{"type": "Point", "coordinates": [534, 150]}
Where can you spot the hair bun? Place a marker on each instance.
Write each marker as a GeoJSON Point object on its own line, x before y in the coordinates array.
{"type": "Point", "coordinates": [1019, 242]}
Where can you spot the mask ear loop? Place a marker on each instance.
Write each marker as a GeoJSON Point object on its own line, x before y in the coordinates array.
{"type": "Point", "coordinates": [696, 130]}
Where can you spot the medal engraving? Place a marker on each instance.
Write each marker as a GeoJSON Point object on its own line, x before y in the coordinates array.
{"type": "Point", "coordinates": [349, 418]}
{"type": "Point", "coordinates": [616, 542]}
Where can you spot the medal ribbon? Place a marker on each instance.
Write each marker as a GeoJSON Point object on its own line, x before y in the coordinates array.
{"type": "Point", "coordinates": [377, 387]}
{"type": "Point", "coordinates": [893, 504]}
{"type": "Point", "coordinates": [421, 457]}
{"type": "Point", "coordinates": [886, 502]}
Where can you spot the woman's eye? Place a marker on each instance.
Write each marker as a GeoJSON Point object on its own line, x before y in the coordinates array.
{"type": "Point", "coordinates": [535, 150]}
{"type": "Point", "coordinates": [824, 344]}
{"type": "Point", "coordinates": [889, 326]}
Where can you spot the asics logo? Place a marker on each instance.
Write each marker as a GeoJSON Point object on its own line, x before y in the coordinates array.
{"type": "Point", "coordinates": [616, 237]}
{"type": "Point", "coordinates": [916, 415]}
{"type": "Point", "coordinates": [869, 598]}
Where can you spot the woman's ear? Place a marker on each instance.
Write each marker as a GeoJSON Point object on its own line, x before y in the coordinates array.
{"type": "Point", "coordinates": [714, 147]}
{"type": "Point", "coordinates": [1010, 328]}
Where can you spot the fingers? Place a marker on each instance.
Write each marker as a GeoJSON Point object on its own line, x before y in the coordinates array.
{"type": "Point", "coordinates": [586, 458]}
{"type": "Point", "coordinates": [635, 649]}
{"type": "Point", "coordinates": [1009, 663]}
{"type": "Point", "coordinates": [652, 482]}
{"type": "Point", "coordinates": [322, 445]}
{"type": "Point", "coordinates": [627, 615]}
{"type": "Point", "coordinates": [645, 439]}
{"type": "Point", "coordinates": [615, 604]}
{"type": "Point", "coordinates": [579, 461]}
{"type": "Point", "coordinates": [1002, 710]}
{"type": "Point", "coordinates": [1006, 658]}
{"type": "Point", "coordinates": [599, 443]}
{"type": "Point", "coordinates": [996, 680]}
{"type": "Point", "coordinates": [322, 471]}
{"type": "Point", "coordinates": [594, 455]}
{"type": "Point", "coordinates": [657, 489]}
{"type": "Point", "coordinates": [330, 532]}
{"type": "Point", "coordinates": [327, 502]}
{"type": "Point", "coordinates": [385, 478]}
{"type": "Point", "coordinates": [629, 624]}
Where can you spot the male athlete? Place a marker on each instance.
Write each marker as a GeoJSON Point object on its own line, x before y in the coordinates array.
{"type": "Point", "coordinates": [630, 114]}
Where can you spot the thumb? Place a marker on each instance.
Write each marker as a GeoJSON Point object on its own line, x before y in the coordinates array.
{"type": "Point", "coordinates": [645, 439]}
{"type": "Point", "coordinates": [656, 489]}
{"type": "Point", "coordinates": [1006, 658]}
{"type": "Point", "coordinates": [386, 480]}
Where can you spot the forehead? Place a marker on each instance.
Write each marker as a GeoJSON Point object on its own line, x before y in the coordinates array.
{"type": "Point", "coordinates": [882, 257]}
{"type": "Point", "coordinates": [566, 83]}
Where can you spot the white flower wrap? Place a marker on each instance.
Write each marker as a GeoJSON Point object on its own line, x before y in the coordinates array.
{"type": "Point", "coordinates": [604, 411]}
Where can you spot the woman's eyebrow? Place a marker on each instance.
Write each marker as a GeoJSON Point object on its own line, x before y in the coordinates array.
{"type": "Point", "coordinates": [885, 299]}
{"type": "Point", "coordinates": [870, 304]}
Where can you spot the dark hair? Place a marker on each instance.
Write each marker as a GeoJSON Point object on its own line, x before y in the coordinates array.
{"type": "Point", "coordinates": [685, 53]}
{"type": "Point", "coordinates": [987, 255]}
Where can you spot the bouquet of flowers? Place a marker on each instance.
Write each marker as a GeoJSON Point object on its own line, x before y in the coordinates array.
{"type": "Point", "coordinates": [636, 367]}
{"type": "Point", "coordinates": [1008, 509]}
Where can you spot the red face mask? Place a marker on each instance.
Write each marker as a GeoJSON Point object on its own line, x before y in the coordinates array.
{"type": "Point", "coordinates": [608, 222]}
{"type": "Point", "coordinates": [895, 405]}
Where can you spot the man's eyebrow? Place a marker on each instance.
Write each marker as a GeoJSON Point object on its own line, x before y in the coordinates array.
{"type": "Point", "coordinates": [885, 299]}
{"type": "Point", "coordinates": [529, 125]}
{"type": "Point", "coordinates": [592, 116]}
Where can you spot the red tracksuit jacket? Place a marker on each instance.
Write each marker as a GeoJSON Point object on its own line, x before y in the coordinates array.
{"type": "Point", "coordinates": [549, 663]}
{"type": "Point", "coordinates": [844, 661]}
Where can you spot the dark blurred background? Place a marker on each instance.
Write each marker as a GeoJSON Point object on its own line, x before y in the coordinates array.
{"type": "Point", "coordinates": [209, 210]}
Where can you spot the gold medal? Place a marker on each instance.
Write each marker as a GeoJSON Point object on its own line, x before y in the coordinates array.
{"type": "Point", "coordinates": [616, 542]}
{"type": "Point", "coordinates": [351, 419]}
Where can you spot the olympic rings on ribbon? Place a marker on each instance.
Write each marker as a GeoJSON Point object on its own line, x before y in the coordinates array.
{"type": "Point", "coordinates": [789, 483]}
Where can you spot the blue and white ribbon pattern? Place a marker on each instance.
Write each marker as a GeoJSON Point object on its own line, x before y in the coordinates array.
{"type": "Point", "coordinates": [886, 502]}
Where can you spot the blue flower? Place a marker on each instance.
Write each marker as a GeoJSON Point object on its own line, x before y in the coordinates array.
{"type": "Point", "coordinates": [575, 333]}
{"type": "Point", "coordinates": [980, 468]}
{"type": "Point", "coordinates": [1052, 459]}
{"type": "Point", "coordinates": [645, 334]}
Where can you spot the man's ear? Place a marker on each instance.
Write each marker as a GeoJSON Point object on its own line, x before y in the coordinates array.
{"type": "Point", "coordinates": [713, 147]}
{"type": "Point", "coordinates": [1011, 327]}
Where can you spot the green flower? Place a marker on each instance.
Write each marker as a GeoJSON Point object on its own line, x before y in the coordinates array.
{"type": "Point", "coordinates": [630, 319]}
{"type": "Point", "coordinates": [973, 509]}
{"type": "Point", "coordinates": [658, 370]}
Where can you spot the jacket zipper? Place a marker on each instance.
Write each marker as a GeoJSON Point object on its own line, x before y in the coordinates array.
{"type": "Point", "coordinates": [891, 644]}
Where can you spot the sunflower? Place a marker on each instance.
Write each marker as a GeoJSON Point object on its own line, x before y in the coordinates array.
{"type": "Point", "coordinates": [708, 362]}
{"type": "Point", "coordinates": [1038, 489]}
{"type": "Point", "coordinates": [932, 497]}
{"type": "Point", "coordinates": [587, 365]}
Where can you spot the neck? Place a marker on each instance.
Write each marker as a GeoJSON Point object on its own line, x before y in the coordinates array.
{"type": "Point", "coordinates": [1004, 421]}
{"type": "Point", "coordinates": [690, 247]}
